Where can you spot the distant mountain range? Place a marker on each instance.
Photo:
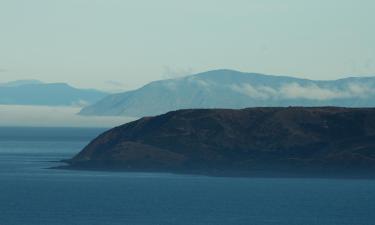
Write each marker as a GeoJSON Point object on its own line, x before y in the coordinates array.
{"type": "Point", "coordinates": [34, 92]}
{"type": "Point", "coordinates": [233, 89]}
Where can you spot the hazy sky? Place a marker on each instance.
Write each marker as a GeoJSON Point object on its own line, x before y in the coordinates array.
{"type": "Point", "coordinates": [122, 44]}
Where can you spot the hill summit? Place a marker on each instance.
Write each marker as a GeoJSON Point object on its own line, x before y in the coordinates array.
{"type": "Point", "coordinates": [290, 141]}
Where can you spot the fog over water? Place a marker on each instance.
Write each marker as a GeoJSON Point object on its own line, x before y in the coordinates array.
{"type": "Point", "coordinates": [46, 116]}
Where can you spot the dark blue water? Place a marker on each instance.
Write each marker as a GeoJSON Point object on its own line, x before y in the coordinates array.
{"type": "Point", "coordinates": [33, 195]}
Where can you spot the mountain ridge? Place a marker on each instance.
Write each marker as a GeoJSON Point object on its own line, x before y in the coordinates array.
{"type": "Point", "coordinates": [20, 82]}
{"type": "Point", "coordinates": [234, 89]}
{"type": "Point", "coordinates": [34, 92]}
{"type": "Point", "coordinates": [312, 141]}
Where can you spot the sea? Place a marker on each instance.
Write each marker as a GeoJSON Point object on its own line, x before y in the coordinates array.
{"type": "Point", "coordinates": [33, 194]}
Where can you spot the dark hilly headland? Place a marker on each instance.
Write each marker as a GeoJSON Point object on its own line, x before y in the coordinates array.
{"type": "Point", "coordinates": [291, 141]}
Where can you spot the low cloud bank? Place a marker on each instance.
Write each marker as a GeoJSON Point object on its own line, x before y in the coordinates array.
{"type": "Point", "coordinates": [310, 92]}
{"type": "Point", "coordinates": [46, 116]}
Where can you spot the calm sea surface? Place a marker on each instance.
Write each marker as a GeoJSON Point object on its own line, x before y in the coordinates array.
{"type": "Point", "coordinates": [30, 194]}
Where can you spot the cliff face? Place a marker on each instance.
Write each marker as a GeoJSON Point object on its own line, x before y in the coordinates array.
{"type": "Point", "coordinates": [272, 140]}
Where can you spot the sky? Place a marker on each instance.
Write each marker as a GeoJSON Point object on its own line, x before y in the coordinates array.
{"type": "Point", "coordinates": [124, 44]}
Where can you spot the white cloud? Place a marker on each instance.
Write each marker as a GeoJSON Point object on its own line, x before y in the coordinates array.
{"type": "Point", "coordinates": [360, 90]}
{"type": "Point", "coordinates": [310, 92]}
{"type": "Point", "coordinates": [171, 73]}
{"type": "Point", "coordinates": [199, 81]}
{"type": "Point", "coordinates": [173, 84]}
{"type": "Point", "coordinates": [314, 92]}
{"type": "Point", "coordinates": [261, 92]}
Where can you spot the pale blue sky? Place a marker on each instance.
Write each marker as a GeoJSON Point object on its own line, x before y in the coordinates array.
{"type": "Point", "coordinates": [122, 44]}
